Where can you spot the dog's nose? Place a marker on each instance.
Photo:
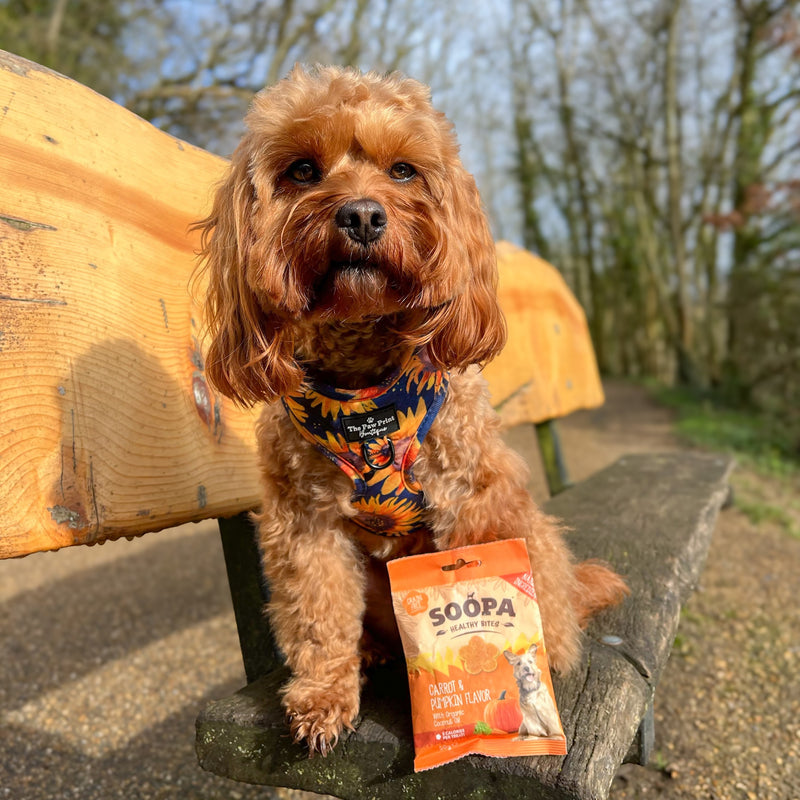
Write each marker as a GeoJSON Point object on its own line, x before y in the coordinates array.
{"type": "Point", "coordinates": [362, 220]}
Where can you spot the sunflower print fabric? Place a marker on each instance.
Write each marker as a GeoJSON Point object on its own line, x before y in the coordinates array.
{"type": "Point", "coordinates": [374, 435]}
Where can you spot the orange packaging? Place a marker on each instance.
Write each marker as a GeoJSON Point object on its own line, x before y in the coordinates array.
{"type": "Point", "coordinates": [477, 663]}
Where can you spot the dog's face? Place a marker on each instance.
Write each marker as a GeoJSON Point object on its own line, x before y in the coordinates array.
{"type": "Point", "coordinates": [349, 175]}
{"type": "Point", "coordinates": [526, 670]}
{"type": "Point", "coordinates": [345, 200]}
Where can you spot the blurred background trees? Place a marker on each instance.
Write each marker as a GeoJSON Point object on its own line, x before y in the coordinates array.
{"type": "Point", "coordinates": [648, 148]}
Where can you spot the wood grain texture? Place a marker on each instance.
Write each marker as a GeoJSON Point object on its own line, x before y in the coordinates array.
{"type": "Point", "coordinates": [107, 424]}
{"type": "Point", "coordinates": [548, 369]}
{"type": "Point", "coordinates": [652, 517]}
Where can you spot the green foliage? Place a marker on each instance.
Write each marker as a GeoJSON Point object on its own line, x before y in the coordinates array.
{"type": "Point", "coordinates": [758, 512]}
{"type": "Point", "coordinates": [673, 211]}
{"type": "Point", "coordinates": [79, 38]}
{"type": "Point", "coordinates": [761, 439]}
{"type": "Point", "coordinates": [765, 483]}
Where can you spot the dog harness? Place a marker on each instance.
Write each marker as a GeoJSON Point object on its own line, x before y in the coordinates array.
{"type": "Point", "coordinates": [374, 435]}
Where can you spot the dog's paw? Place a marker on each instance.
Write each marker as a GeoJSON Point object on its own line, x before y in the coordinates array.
{"type": "Point", "coordinates": [318, 716]}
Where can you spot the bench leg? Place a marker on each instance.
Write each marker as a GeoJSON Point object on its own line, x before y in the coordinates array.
{"type": "Point", "coordinates": [641, 749]}
{"type": "Point", "coordinates": [555, 467]}
{"type": "Point", "coordinates": [647, 735]}
{"type": "Point", "coordinates": [248, 593]}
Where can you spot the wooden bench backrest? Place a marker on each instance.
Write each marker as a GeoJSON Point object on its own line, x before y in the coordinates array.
{"type": "Point", "coordinates": [548, 368]}
{"type": "Point", "coordinates": [107, 424]}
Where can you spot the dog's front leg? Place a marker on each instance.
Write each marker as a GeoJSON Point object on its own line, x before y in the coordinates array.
{"type": "Point", "coordinates": [317, 583]}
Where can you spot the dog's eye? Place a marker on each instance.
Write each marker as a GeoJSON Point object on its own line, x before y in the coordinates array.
{"type": "Point", "coordinates": [402, 172]}
{"type": "Point", "coordinates": [303, 172]}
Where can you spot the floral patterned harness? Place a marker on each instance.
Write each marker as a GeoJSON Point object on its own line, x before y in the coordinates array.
{"type": "Point", "coordinates": [374, 435]}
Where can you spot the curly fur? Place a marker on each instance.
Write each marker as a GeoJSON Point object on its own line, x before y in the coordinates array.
{"type": "Point", "coordinates": [292, 294]}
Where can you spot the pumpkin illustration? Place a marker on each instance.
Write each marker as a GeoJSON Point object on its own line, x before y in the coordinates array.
{"type": "Point", "coordinates": [503, 714]}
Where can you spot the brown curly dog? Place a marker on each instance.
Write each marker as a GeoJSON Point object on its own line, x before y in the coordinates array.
{"type": "Point", "coordinates": [352, 289]}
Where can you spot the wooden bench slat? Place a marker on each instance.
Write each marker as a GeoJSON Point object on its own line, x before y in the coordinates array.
{"type": "Point", "coordinates": [651, 516]}
{"type": "Point", "coordinates": [657, 514]}
{"type": "Point", "coordinates": [548, 369]}
{"type": "Point", "coordinates": [101, 431]}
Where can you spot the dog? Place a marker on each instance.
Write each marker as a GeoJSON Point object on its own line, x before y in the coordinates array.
{"type": "Point", "coordinates": [351, 288]}
{"type": "Point", "coordinates": [539, 715]}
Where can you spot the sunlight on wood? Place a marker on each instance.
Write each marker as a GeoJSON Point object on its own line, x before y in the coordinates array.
{"type": "Point", "coordinates": [108, 426]}
{"type": "Point", "coordinates": [548, 368]}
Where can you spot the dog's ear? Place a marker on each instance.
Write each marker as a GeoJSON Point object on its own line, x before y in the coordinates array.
{"type": "Point", "coordinates": [250, 352]}
{"type": "Point", "coordinates": [469, 328]}
{"type": "Point", "coordinates": [511, 657]}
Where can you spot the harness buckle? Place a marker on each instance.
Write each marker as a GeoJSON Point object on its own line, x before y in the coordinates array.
{"type": "Point", "coordinates": [368, 458]}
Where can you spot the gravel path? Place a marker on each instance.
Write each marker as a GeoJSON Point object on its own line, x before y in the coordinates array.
{"type": "Point", "coordinates": [728, 704]}
{"type": "Point", "coordinates": [107, 653]}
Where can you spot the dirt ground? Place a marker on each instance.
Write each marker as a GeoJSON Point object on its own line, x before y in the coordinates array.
{"type": "Point", "coordinates": [106, 654]}
{"type": "Point", "coordinates": [728, 704]}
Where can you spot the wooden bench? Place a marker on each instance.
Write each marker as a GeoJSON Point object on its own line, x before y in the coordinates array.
{"type": "Point", "coordinates": [108, 428]}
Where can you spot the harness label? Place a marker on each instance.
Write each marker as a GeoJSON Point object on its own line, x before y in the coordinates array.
{"type": "Point", "coordinates": [375, 424]}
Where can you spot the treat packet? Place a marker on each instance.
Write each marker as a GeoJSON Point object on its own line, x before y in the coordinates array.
{"type": "Point", "coordinates": [477, 663]}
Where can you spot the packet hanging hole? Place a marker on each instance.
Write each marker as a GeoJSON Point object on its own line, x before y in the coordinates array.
{"type": "Point", "coordinates": [476, 659]}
